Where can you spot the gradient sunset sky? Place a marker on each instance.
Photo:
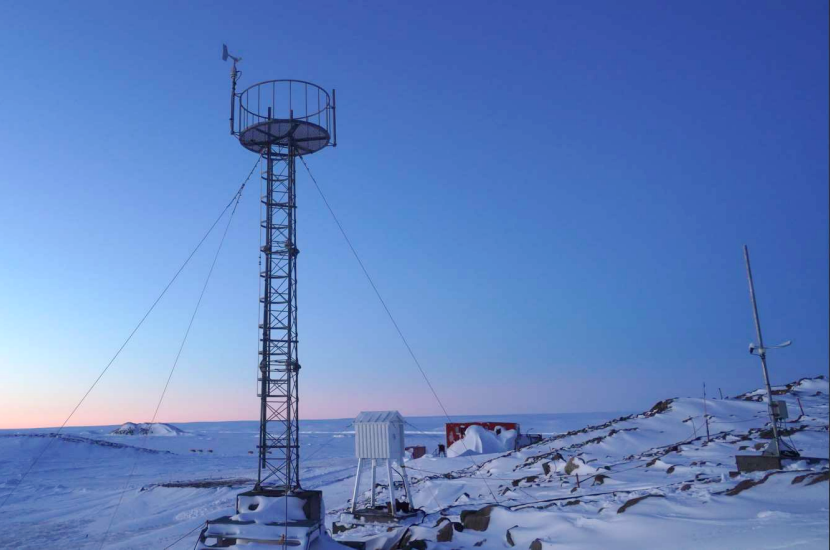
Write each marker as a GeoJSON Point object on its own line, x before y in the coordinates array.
{"type": "Point", "coordinates": [551, 196]}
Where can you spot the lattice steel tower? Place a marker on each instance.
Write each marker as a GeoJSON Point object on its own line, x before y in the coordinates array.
{"type": "Point", "coordinates": [280, 120]}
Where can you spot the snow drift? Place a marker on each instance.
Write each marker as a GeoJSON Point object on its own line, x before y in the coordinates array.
{"type": "Point", "coordinates": [478, 440]}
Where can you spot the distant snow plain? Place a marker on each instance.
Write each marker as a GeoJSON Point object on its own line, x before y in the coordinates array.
{"type": "Point", "coordinates": [178, 482]}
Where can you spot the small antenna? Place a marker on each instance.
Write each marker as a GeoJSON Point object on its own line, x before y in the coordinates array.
{"type": "Point", "coordinates": [234, 77]}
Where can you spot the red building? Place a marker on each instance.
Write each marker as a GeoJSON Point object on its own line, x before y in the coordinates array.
{"type": "Point", "coordinates": [417, 451]}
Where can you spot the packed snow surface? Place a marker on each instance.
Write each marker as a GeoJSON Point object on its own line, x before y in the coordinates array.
{"type": "Point", "coordinates": [145, 428]}
{"type": "Point", "coordinates": [635, 481]}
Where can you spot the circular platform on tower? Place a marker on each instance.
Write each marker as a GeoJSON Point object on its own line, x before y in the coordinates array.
{"type": "Point", "coordinates": [285, 113]}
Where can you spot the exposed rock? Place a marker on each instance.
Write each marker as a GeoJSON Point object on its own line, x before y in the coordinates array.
{"type": "Point", "coordinates": [634, 501]}
{"type": "Point", "coordinates": [599, 479]}
{"type": "Point", "coordinates": [445, 533]}
{"type": "Point", "coordinates": [207, 483]}
{"type": "Point", "coordinates": [660, 407]}
{"type": "Point", "coordinates": [550, 467]}
{"type": "Point", "coordinates": [670, 470]}
{"type": "Point", "coordinates": [767, 433]}
{"type": "Point", "coordinates": [799, 479]}
{"type": "Point", "coordinates": [572, 502]}
{"type": "Point", "coordinates": [751, 398]}
{"type": "Point", "coordinates": [819, 478]}
{"type": "Point", "coordinates": [536, 545]}
{"type": "Point", "coordinates": [477, 520]}
{"type": "Point", "coordinates": [747, 483]}
{"type": "Point", "coordinates": [742, 486]}
{"type": "Point", "coordinates": [337, 528]}
{"type": "Point", "coordinates": [406, 542]}
{"type": "Point", "coordinates": [528, 479]}
{"type": "Point", "coordinates": [157, 428]}
{"type": "Point", "coordinates": [573, 465]}
{"type": "Point", "coordinates": [510, 537]}
{"type": "Point", "coordinates": [686, 487]}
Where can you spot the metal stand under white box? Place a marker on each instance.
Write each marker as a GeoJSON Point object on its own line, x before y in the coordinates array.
{"type": "Point", "coordinates": [379, 436]}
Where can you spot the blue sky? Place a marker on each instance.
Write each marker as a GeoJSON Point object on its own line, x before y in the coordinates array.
{"type": "Point", "coordinates": [551, 196]}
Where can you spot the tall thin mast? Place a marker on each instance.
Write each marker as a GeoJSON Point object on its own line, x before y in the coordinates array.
{"type": "Point", "coordinates": [774, 449]}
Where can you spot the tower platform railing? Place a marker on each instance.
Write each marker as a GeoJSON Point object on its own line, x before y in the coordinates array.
{"type": "Point", "coordinates": [273, 110]}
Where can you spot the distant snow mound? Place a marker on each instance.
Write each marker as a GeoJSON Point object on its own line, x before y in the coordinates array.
{"type": "Point", "coordinates": [479, 440]}
{"type": "Point", "coordinates": [145, 428]}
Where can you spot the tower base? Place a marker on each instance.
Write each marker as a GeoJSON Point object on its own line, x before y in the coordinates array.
{"type": "Point", "coordinates": [268, 517]}
{"type": "Point", "coordinates": [381, 514]}
{"type": "Point", "coordinates": [757, 463]}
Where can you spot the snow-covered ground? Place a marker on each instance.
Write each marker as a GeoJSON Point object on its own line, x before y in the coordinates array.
{"type": "Point", "coordinates": [528, 499]}
{"type": "Point", "coordinates": [145, 428]}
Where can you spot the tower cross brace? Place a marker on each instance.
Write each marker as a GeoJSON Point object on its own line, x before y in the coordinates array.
{"type": "Point", "coordinates": [278, 464]}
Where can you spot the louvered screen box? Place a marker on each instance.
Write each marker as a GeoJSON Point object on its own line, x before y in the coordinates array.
{"type": "Point", "coordinates": [379, 434]}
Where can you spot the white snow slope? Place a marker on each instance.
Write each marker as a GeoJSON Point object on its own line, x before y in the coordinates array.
{"type": "Point", "coordinates": [528, 499]}
{"type": "Point", "coordinates": [145, 428]}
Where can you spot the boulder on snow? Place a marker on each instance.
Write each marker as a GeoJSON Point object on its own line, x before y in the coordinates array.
{"type": "Point", "coordinates": [660, 407]}
{"type": "Point", "coordinates": [550, 466]}
{"type": "Point", "coordinates": [445, 529]}
{"type": "Point", "coordinates": [477, 520]}
{"type": "Point", "coordinates": [445, 533]}
{"type": "Point", "coordinates": [409, 541]}
{"type": "Point", "coordinates": [573, 465]}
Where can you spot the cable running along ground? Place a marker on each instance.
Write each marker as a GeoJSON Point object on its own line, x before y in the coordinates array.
{"type": "Point", "coordinates": [385, 307]}
{"type": "Point", "coordinates": [55, 435]}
